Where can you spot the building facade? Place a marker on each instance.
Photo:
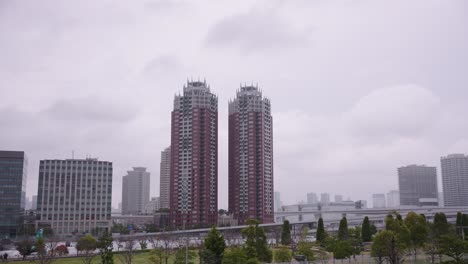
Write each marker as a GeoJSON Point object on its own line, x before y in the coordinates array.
{"type": "Point", "coordinates": [135, 191]}
{"type": "Point", "coordinates": [194, 157]}
{"type": "Point", "coordinates": [164, 178]}
{"type": "Point", "coordinates": [393, 199]}
{"type": "Point", "coordinates": [251, 156]}
{"type": "Point", "coordinates": [312, 198]}
{"type": "Point", "coordinates": [378, 200]}
{"type": "Point", "coordinates": [418, 185]}
{"type": "Point", "coordinates": [13, 176]}
{"type": "Point", "coordinates": [152, 206]}
{"type": "Point", "coordinates": [455, 179]}
{"type": "Point", "coordinates": [75, 195]}
{"type": "Point", "coordinates": [338, 198]}
{"type": "Point", "coordinates": [278, 202]}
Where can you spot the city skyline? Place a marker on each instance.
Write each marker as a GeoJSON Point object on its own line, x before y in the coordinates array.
{"type": "Point", "coordinates": [351, 102]}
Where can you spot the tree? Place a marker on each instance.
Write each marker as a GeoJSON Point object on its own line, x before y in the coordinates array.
{"type": "Point", "coordinates": [355, 239]}
{"type": "Point", "coordinates": [321, 233]}
{"type": "Point", "coordinates": [305, 248]}
{"type": "Point", "coordinates": [283, 254]}
{"type": "Point", "coordinates": [343, 233]}
{"type": "Point", "coordinates": [86, 246]}
{"type": "Point", "coordinates": [126, 257]}
{"type": "Point", "coordinates": [256, 245]}
{"type": "Point", "coordinates": [453, 247]}
{"type": "Point", "coordinates": [234, 255]}
{"type": "Point", "coordinates": [25, 247]}
{"type": "Point", "coordinates": [45, 256]}
{"type": "Point", "coordinates": [459, 223]}
{"type": "Point", "coordinates": [286, 233]}
{"type": "Point", "coordinates": [389, 245]}
{"type": "Point", "coordinates": [105, 248]}
{"type": "Point", "coordinates": [418, 231]}
{"type": "Point", "coordinates": [213, 248]}
{"type": "Point", "coordinates": [465, 223]}
{"type": "Point", "coordinates": [436, 230]}
{"type": "Point", "coordinates": [143, 244]}
{"type": "Point", "coordinates": [180, 257]}
{"type": "Point", "coordinates": [61, 250]}
{"type": "Point", "coordinates": [366, 230]}
{"type": "Point", "coordinates": [379, 248]}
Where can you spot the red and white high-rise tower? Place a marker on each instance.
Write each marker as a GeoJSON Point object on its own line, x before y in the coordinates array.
{"type": "Point", "coordinates": [251, 156]}
{"type": "Point", "coordinates": [194, 157]}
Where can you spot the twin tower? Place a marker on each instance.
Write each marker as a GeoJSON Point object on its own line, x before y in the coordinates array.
{"type": "Point", "coordinates": [193, 166]}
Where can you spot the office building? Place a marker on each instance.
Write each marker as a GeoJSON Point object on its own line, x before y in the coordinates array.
{"type": "Point", "coordinates": [393, 199]}
{"type": "Point", "coordinates": [312, 198]}
{"type": "Point", "coordinates": [278, 202]}
{"type": "Point", "coordinates": [74, 196]}
{"type": "Point", "coordinates": [135, 191]}
{"type": "Point", "coordinates": [164, 178]}
{"type": "Point", "coordinates": [418, 185]}
{"type": "Point", "coordinates": [325, 198]}
{"type": "Point", "coordinates": [152, 206]}
{"type": "Point", "coordinates": [13, 175]}
{"type": "Point", "coordinates": [378, 200]}
{"type": "Point", "coordinates": [194, 157]}
{"type": "Point", "coordinates": [455, 179]}
{"type": "Point", "coordinates": [251, 156]}
{"type": "Point", "coordinates": [338, 198]}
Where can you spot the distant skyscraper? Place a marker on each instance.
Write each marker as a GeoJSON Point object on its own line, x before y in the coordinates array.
{"type": "Point", "coordinates": [441, 199]}
{"type": "Point", "coordinates": [194, 157]}
{"type": "Point", "coordinates": [278, 202]}
{"type": "Point", "coordinates": [378, 200]}
{"type": "Point", "coordinates": [135, 191]}
{"type": "Point", "coordinates": [393, 199]}
{"type": "Point", "coordinates": [251, 156]}
{"type": "Point", "coordinates": [13, 174]}
{"type": "Point", "coordinates": [455, 179]}
{"type": "Point", "coordinates": [34, 202]}
{"type": "Point", "coordinates": [325, 198]}
{"type": "Point", "coordinates": [418, 185]}
{"type": "Point", "coordinates": [153, 205]}
{"type": "Point", "coordinates": [164, 178]}
{"type": "Point", "coordinates": [75, 195]}
{"type": "Point", "coordinates": [312, 198]}
{"type": "Point", "coordinates": [338, 198]}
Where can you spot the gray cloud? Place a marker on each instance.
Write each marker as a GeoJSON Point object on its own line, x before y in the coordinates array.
{"type": "Point", "coordinates": [91, 109]}
{"type": "Point", "coordinates": [255, 31]}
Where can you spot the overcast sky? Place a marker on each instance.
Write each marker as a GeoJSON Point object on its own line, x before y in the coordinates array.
{"type": "Point", "coordinates": [358, 88]}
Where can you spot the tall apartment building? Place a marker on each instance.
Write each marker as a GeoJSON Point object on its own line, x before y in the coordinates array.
{"type": "Point", "coordinates": [418, 185]}
{"type": "Point", "coordinates": [13, 175]}
{"type": "Point", "coordinates": [312, 198]}
{"type": "Point", "coordinates": [194, 157]}
{"type": "Point", "coordinates": [378, 200]}
{"type": "Point", "coordinates": [135, 191]}
{"type": "Point", "coordinates": [393, 199]}
{"type": "Point", "coordinates": [325, 198]}
{"type": "Point", "coordinates": [75, 195]}
{"type": "Point", "coordinates": [164, 178]}
{"type": "Point", "coordinates": [455, 179]}
{"type": "Point", "coordinates": [251, 156]}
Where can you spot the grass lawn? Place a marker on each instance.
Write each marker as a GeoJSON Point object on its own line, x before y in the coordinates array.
{"type": "Point", "coordinates": [139, 258]}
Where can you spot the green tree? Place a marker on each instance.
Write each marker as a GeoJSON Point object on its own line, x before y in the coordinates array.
{"type": "Point", "coordinates": [379, 248]}
{"type": "Point", "coordinates": [343, 233]}
{"type": "Point", "coordinates": [105, 248]}
{"type": "Point", "coordinates": [256, 245]}
{"type": "Point", "coordinates": [86, 246]}
{"type": "Point", "coordinates": [465, 223]}
{"type": "Point", "coordinates": [366, 230]}
{"type": "Point", "coordinates": [321, 233]}
{"type": "Point", "coordinates": [181, 254]}
{"type": "Point", "coordinates": [286, 233]}
{"type": "Point", "coordinates": [234, 255]}
{"type": "Point", "coordinates": [453, 247]}
{"type": "Point", "coordinates": [355, 239]}
{"type": "Point", "coordinates": [459, 223]}
{"type": "Point", "coordinates": [25, 247]}
{"type": "Point", "coordinates": [282, 254]}
{"type": "Point", "coordinates": [305, 248]}
{"type": "Point", "coordinates": [213, 248]}
{"type": "Point", "coordinates": [45, 256]}
{"type": "Point", "coordinates": [418, 231]}
{"type": "Point", "coordinates": [389, 244]}
{"type": "Point", "coordinates": [373, 229]}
